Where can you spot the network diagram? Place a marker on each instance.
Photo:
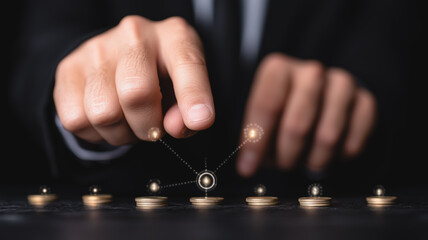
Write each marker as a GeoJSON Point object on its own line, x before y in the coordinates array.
{"type": "Point", "coordinates": [205, 180]}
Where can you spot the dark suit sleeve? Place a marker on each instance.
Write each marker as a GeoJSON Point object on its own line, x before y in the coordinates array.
{"type": "Point", "coordinates": [49, 31]}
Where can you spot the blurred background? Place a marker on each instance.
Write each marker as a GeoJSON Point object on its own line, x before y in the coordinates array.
{"type": "Point", "coordinates": [398, 158]}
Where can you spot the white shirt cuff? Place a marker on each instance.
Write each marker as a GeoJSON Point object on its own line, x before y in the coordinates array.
{"type": "Point", "coordinates": [85, 154]}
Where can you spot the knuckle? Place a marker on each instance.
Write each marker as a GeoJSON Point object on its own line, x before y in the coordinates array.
{"type": "Point", "coordinates": [96, 77]}
{"type": "Point", "coordinates": [313, 68]}
{"type": "Point", "coordinates": [65, 66]}
{"type": "Point", "coordinates": [266, 106]}
{"type": "Point", "coordinates": [370, 98]}
{"type": "Point", "coordinates": [352, 150]}
{"type": "Point", "coordinates": [368, 104]}
{"type": "Point", "coordinates": [339, 73]}
{"type": "Point", "coordinates": [134, 95]}
{"type": "Point", "coordinates": [276, 60]}
{"type": "Point", "coordinates": [177, 22]}
{"type": "Point", "coordinates": [101, 113]}
{"type": "Point", "coordinates": [132, 22]}
{"type": "Point", "coordinates": [327, 138]}
{"type": "Point", "coordinates": [297, 128]}
{"type": "Point", "coordinates": [187, 56]}
{"type": "Point", "coordinates": [135, 57]}
{"type": "Point", "coordinates": [73, 121]}
{"type": "Point", "coordinates": [191, 95]}
{"type": "Point", "coordinates": [341, 76]}
{"type": "Point", "coordinates": [181, 32]}
{"type": "Point", "coordinates": [97, 52]}
{"type": "Point", "coordinates": [311, 80]}
{"type": "Point", "coordinates": [131, 27]}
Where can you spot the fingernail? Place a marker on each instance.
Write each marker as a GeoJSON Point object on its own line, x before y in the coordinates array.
{"type": "Point", "coordinates": [247, 160]}
{"type": "Point", "coordinates": [199, 112]}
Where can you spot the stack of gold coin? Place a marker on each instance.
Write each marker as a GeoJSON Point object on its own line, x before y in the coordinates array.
{"type": "Point", "coordinates": [315, 201]}
{"type": "Point", "coordinates": [379, 201]}
{"type": "Point", "coordinates": [262, 201]}
{"type": "Point", "coordinates": [41, 199]}
{"type": "Point", "coordinates": [150, 202]}
{"type": "Point", "coordinates": [96, 199]}
{"type": "Point", "coordinates": [206, 201]}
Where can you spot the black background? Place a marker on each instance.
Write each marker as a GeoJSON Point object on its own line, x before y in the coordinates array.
{"type": "Point", "coordinates": [23, 161]}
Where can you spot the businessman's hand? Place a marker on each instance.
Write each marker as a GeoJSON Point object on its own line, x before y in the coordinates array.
{"type": "Point", "coordinates": [302, 104]}
{"type": "Point", "coordinates": [109, 87]}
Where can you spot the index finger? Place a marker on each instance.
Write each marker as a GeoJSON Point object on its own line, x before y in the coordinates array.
{"type": "Point", "coordinates": [182, 56]}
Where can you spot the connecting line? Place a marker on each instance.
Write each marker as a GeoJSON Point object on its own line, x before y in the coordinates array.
{"type": "Point", "coordinates": [178, 184]}
{"type": "Point", "coordinates": [178, 156]}
{"type": "Point", "coordinates": [231, 155]}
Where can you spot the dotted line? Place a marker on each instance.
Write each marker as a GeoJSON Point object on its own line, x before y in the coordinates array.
{"type": "Point", "coordinates": [178, 184]}
{"type": "Point", "coordinates": [230, 155]}
{"type": "Point", "coordinates": [178, 156]}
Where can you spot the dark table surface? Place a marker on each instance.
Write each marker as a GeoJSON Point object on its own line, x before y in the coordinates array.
{"type": "Point", "coordinates": [347, 218]}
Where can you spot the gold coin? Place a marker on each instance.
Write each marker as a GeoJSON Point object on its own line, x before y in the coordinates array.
{"type": "Point", "coordinates": [262, 201]}
{"type": "Point", "coordinates": [41, 199]}
{"type": "Point", "coordinates": [144, 207]}
{"type": "Point", "coordinates": [150, 202]}
{"type": "Point", "coordinates": [97, 199]}
{"type": "Point", "coordinates": [151, 199]}
{"type": "Point", "coordinates": [315, 201]}
{"type": "Point", "coordinates": [206, 201]}
{"type": "Point", "coordinates": [381, 200]}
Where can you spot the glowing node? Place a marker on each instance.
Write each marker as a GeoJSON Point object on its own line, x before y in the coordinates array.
{"type": "Point", "coordinates": [379, 190]}
{"type": "Point", "coordinates": [94, 190]}
{"type": "Point", "coordinates": [253, 132]}
{"type": "Point", "coordinates": [154, 186]}
{"type": "Point", "coordinates": [44, 190]}
{"type": "Point", "coordinates": [260, 190]}
{"type": "Point", "coordinates": [154, 134]}
{"type": "Point", "coordinates": [315, 190]}
{"type": "Point", "coordinates": [206, 180]}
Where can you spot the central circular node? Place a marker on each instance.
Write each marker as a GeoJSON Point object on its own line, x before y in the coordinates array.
{"type": "Point", "coordinates": [260, 190]}
{"type": "Point", "coordinates": [154, 186]}
{"type": "Point", "coordinates": [379, 190]}
{"type": "Point", "coordinates": [94, 189]}
{"type": "Point", "coordinates": [315, 190]}
{"type": "Point", "coordinates": [44, 190]}
{"type": "Point", "coordinates": [206, 180]}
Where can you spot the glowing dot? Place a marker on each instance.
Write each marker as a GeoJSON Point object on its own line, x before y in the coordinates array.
{"type": "Point", "coordinates": [94, 189]}
{"type": "Point", "coordinates": [154, 186]}
{"type": "Point", "coordinates": [260, 190]}
{"type": "Point", "coordinates": [206, 180]}
{"type": "Point", "coordinates": [154, 134]}
{"type": "Point", "coordinates": [253, 132]}
{"type": "Point", "coordinates": [315, 190]}
{"type": "Point", "coordinates": [379, 190]}
{"type": "Point", "coordinates": [44, 190]}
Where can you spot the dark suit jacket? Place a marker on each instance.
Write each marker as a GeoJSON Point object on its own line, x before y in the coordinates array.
{"type": "Point", "coordinates": [367, 38]}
